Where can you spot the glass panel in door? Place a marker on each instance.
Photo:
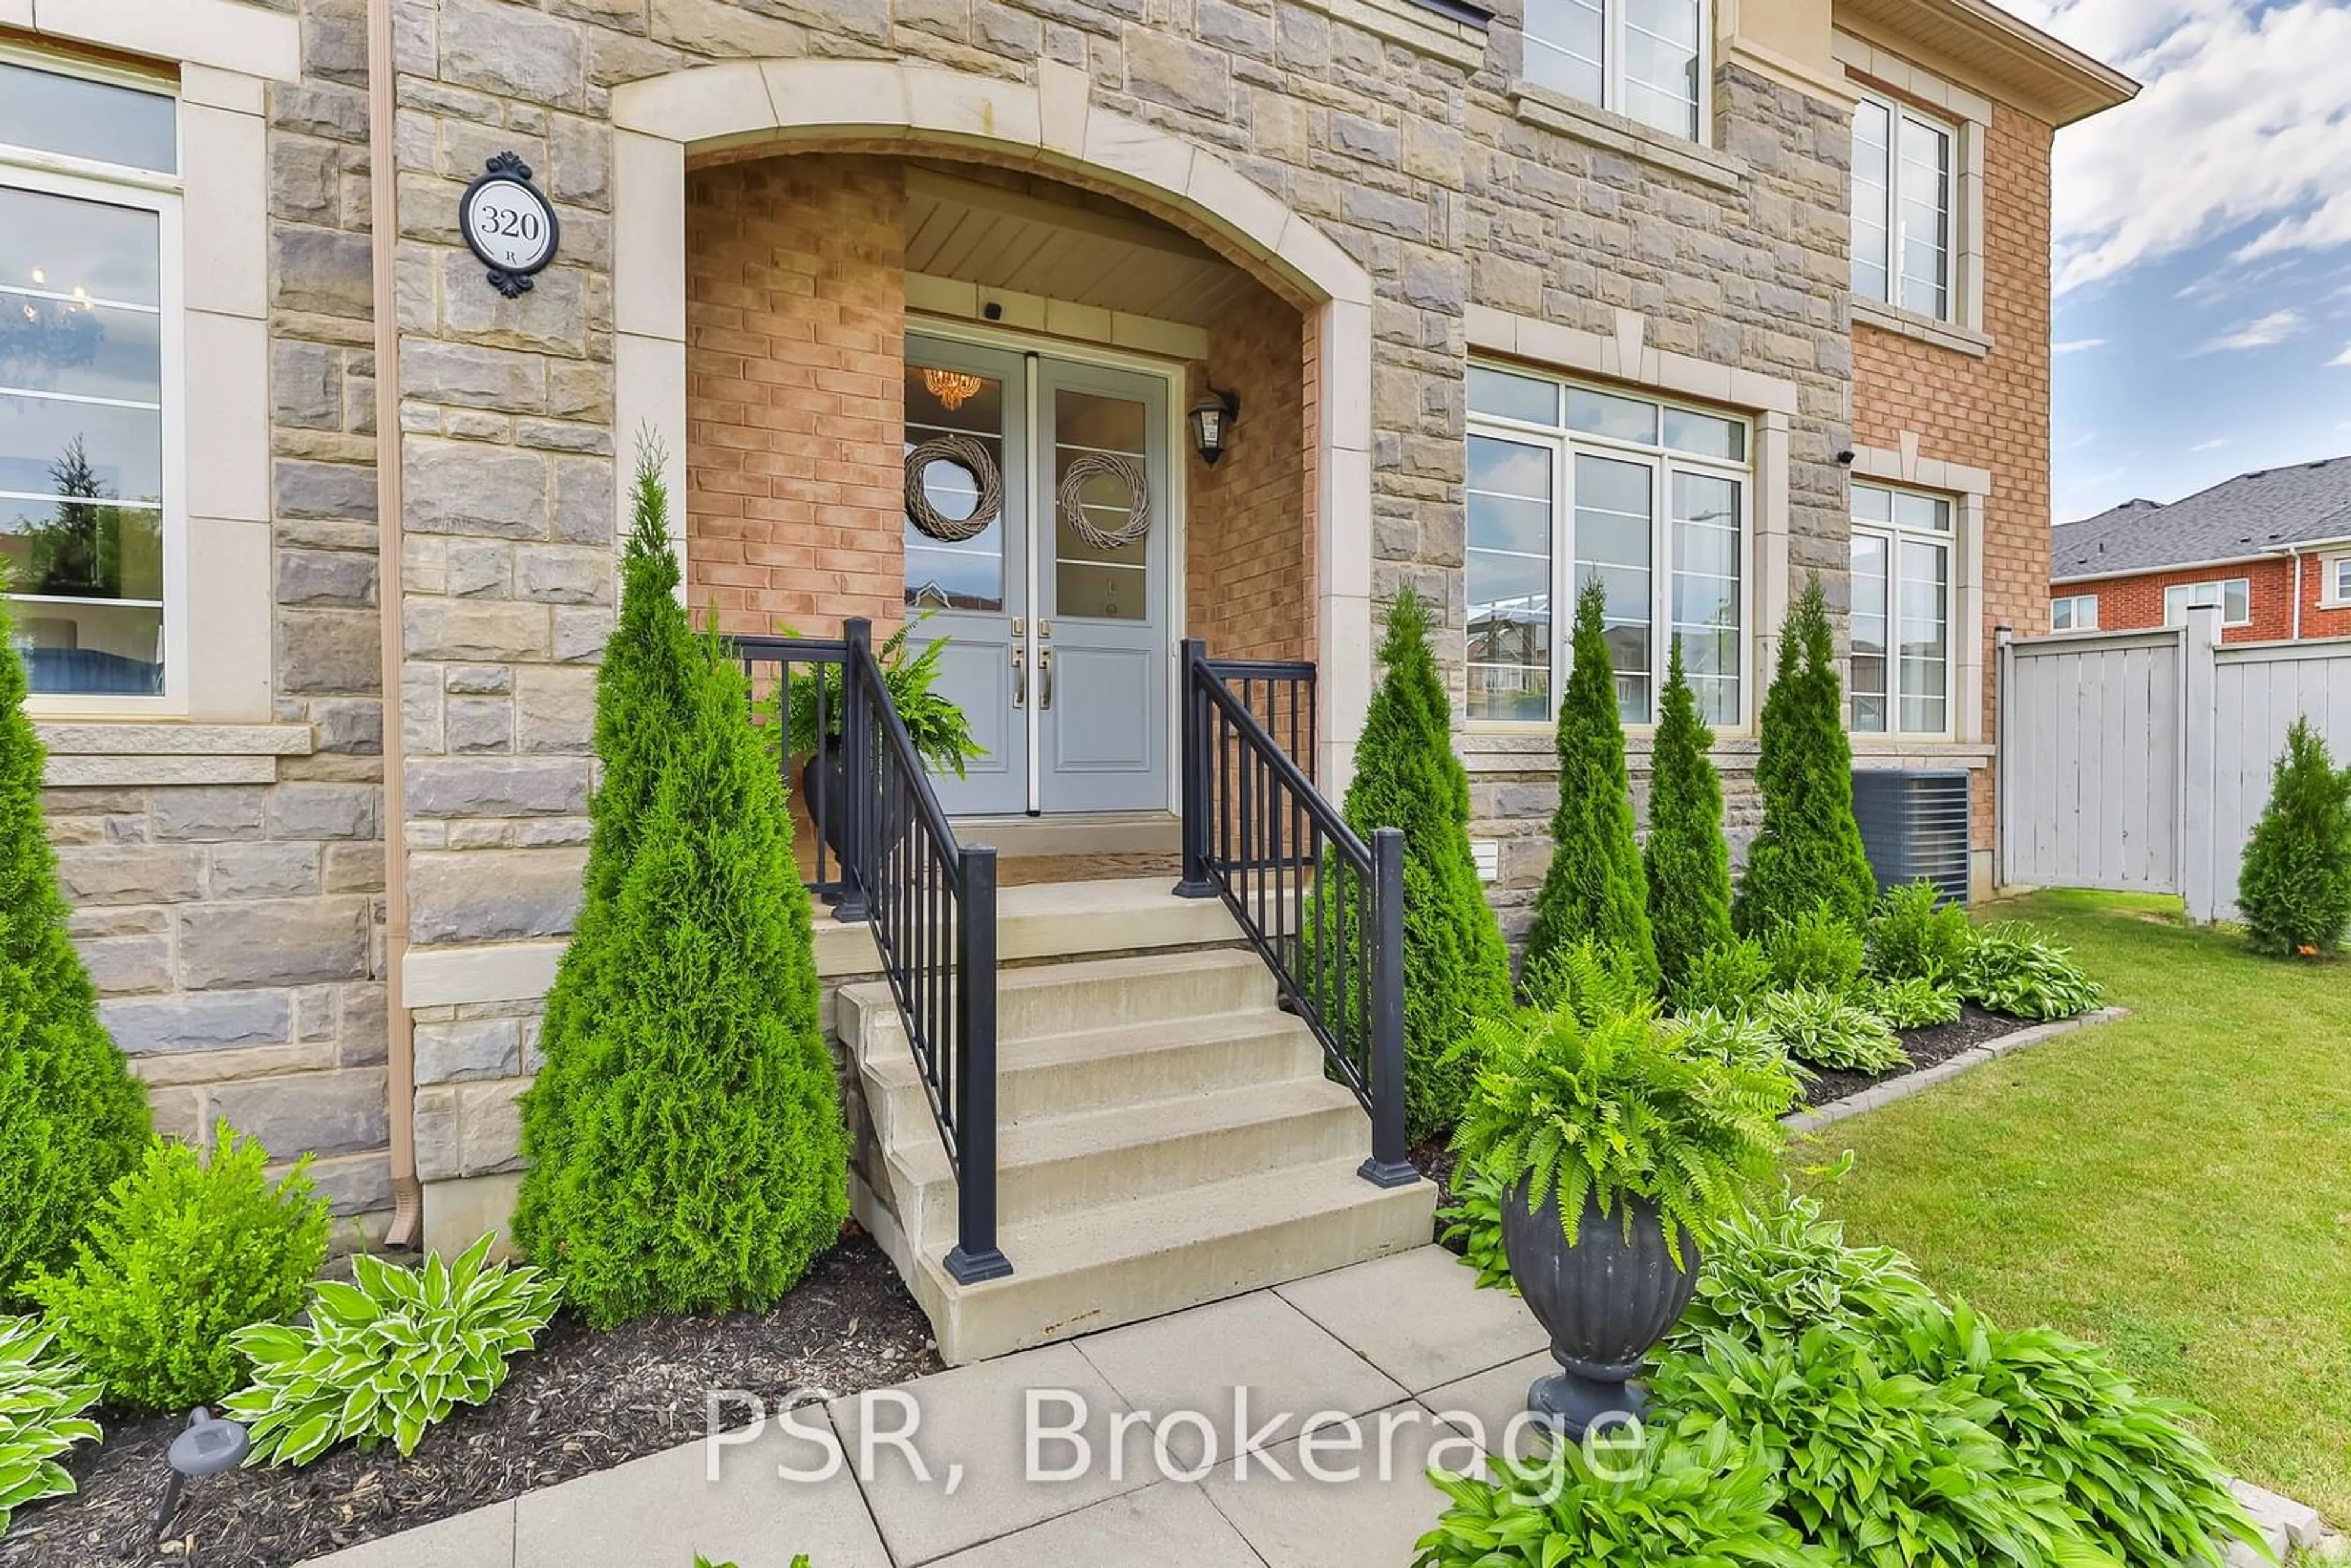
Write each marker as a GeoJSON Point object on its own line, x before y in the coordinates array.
{"type": "Point", "coordinates": [967, 409]}
{"type": "Point", "coordinates": [1102, 632]}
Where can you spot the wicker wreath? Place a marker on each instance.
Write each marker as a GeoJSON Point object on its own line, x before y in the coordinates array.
{"type": "Point", "coordinates": [966, 453]}
{"type": "Point", "coordinates": [1127, 471]}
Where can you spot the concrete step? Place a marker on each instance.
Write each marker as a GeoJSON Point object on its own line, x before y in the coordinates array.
{"type": "Point", "coordinates": [1120, 1263]}
{"type": "Point", "coordinates": [1058, 1166]}
{"type": "Point", "coordinates": [1058, 920]}
{"type": "Point", "coordinates": [1070, 1074]}
{"type": "Point", "coordinates": [1083, 996]}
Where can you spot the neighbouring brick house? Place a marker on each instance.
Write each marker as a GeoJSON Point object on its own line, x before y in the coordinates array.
{"type": "Point", "coordinates": [1751, 292]}
{"type": "Point", "coordinates": [2271, 549]}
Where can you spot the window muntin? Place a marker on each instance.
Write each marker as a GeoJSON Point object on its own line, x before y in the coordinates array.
{"type": "Point", "coordinates": [2074, 612]}
{"type": "Point", "coordinates": [1643, 58]}
{"type": "Point", "coordinates": [2234, 596]}
{"type": "Point", "coordinates": [1903, 182]}
{"type": "Point", "coordinates": [1567, 484]}
{"type": "Point", "coordinates": [1900, 681]}
{"type": "Point", "coordinates": [89, 345]}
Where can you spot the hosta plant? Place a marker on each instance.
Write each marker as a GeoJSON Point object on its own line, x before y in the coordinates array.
{"type": "Point", "coordinates": [1882, 1466]}
{"type": "Point", "coordinates": [1825, 1030]}
{"type": "Point", "coordinates": [1732, 1038]}
{"type": "Point", "coordinates": [2012, 969]}
{"type": "Point", "coordinates": [389, 1354]}
{"type": "Point", "coordinates": [2143, 1487]}
{"type": "Point", "coordinates": [1911, 1003]}
{"type": "Point", "coordinates": [1613, 1111]}
{"type": "Point", "coordinates": [1727, 977]}
{"type": "Point", "coordinates": [1473, 1219]}
{"type": "Point", "coordinates": [1705, 1501]}
{"type": "Point", "coordinates": [42, 1397]}
{"type": "Point", "coordinates": [1784, 1269]}
{"type": "Point", "coordinates": [1915, 935]}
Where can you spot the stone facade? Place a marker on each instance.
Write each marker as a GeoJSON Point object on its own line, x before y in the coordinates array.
{"type": "Point", "coordinates": [1399, 199]}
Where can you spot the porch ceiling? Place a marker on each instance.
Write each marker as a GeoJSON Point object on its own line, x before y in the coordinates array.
{"type": "Point", "coordinates": [1025, 243]}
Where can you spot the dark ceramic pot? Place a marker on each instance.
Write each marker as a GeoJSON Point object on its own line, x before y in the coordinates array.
{"type": "Point", "coordinates": [1605, 1301]}
{"type": "Point", "coordinates": [834, 821]}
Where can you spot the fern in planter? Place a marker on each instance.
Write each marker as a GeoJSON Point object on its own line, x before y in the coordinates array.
{"type": "Point", "coordinates": [941, 734]}
{"type": "Point", "coordinates": [389, 1354]}
{"type": "Point", "coordinates": [1614, 1112]}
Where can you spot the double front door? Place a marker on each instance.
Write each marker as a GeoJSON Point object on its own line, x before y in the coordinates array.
{"type": "Point", "coordinates": [1037, 544]}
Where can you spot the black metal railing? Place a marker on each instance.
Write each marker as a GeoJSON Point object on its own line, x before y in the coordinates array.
{"type": "Point", "coordinates": [772, 665]}
{"type": "Point", "coordinates": [1323, 908]}
{"type": "Point", "coordinates": [931, 902]}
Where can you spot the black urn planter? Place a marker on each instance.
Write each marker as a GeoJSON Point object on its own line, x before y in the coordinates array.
{"type": "Point", "coordinates": [833, 821]}
{"type": "Point", "coordinates": [1605, 1301]}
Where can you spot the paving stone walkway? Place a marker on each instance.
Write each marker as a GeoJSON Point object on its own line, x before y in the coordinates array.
{"type": "Point", "coordinates": [1405, 1344]}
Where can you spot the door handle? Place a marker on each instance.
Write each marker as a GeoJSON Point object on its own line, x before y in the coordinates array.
{"type": "Point", "coordinates": [1020, 677]}
{"type": "Point", "coordinates": [1045, 673]}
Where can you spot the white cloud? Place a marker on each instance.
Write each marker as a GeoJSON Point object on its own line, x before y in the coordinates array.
{"type": "Point", "coordinates": [2262, 332]}
{"type": "Point", "coordinates": [2078, 346]}
{"type": "Point", "coordinates": [2343, 358]}
{"type": "Point", "coordinates": [2239, 127]}
{"type": "Point", "coordinates": [2214, 445]}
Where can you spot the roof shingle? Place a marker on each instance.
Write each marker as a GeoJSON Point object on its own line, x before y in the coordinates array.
{"type": "Point", "coordinates": [2248, 516]}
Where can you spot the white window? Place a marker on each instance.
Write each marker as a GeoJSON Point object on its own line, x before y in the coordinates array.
{"type": "Point", "coordinates": [1901, 612]}
{"type": "Point", "coordinates": [1567, 484]}
{"type": "Point", "coordinates": [1903, 181]}
{"type": "Point", "coordinates": [89, 342]}
{"type": "Point", "coordinates": [2234, 596]}
{"type": "Point", "coordinates": [1646, 59]}
{"type": "Point", "coordinates": [2338, 581]}
{"type": "Point", "coordinates": [2076, 612]}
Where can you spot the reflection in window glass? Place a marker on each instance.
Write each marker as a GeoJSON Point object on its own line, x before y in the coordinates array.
{"type": "Point", "coordinates": [82, 501]}
{"type": "Point", "coordinates": [966, 574]}
{"type": "Point", "coordinates": [1926, 599]}
{"type": "Point", "coordinates": [1603, 413]}
{"type": "Point", "coordinates": [1925, 218]}
{"type": "Point", "coordinates": [1613, 522]}
{"type": "Point", "coordinates": [1872, 189]}
{"type": "Point", "coordinates": [1706, 434]}
{"type": "Point", "coordinates": [1707, 620]}
{"type": "Point", "coordinates": [1869, 606]}
{"type": "Point", "coordinates": [1661, 60]}
{"type": "Point", "coordinates": [1564, 51]}
{"type": "Point", "coordinates": [1507, 396]}
{"type": "Point", "coordinates": [1090, 581]}
{"type": "Point", "coordinates": [1509, 572]}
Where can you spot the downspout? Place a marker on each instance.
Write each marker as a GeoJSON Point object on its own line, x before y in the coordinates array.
{"type": "Point", "coordinates": [2297, 593]}
{"type": "Point", "coordinates": [407, 1193]}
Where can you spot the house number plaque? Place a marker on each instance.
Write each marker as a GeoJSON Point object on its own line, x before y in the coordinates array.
{"type": "Point", "coordinates": [508, 224]}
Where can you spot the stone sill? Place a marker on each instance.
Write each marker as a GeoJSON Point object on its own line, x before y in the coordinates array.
{"type": "Point", "coordinates": [1517, 748]}
{"type": "Point", "coordinates": [1433, 30]}
{"type": "Point", "coordinates": [1621, 134]}
{"type": "Point", "coordinates": [128, 753]}
{"type": "Point", "coordinates": [1926, 329]}
{"type": "Point", "coordinates": [1921, 752]}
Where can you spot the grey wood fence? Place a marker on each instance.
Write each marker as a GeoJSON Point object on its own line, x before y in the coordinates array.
{"type": "Point", "coordinates": [2141, 760]}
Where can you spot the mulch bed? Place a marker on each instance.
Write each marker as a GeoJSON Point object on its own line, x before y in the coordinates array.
{"type": "Point", "coordinates": [1928, 1048]}
{"type": "Point", "coordinates": [581, 1401]}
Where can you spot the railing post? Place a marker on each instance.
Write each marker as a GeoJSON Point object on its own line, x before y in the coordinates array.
{"type": "Point", "coordinates": [976, 1256]}
{"type": "Point", "coordinates": [1390, 1164]}
{"type": "Point", "coordinates": [1196, 883]}
{"type": "Point", "coordinates": [856, 736]}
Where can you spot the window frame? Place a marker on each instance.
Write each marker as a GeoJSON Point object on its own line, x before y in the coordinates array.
{"type": "Point", "coordinates": [120, 185]}
{"type": "Point", "coordinates": [2072, 603]}
{"type": "Point", "coordinates": [1900, 113]}
{"type": "Point", "coordinates": [2335, 588]}
{"type": "Point", "coordinates": [2221, 583]}
{"type": "Point", "coordinates": [1560, 445]}
{"type": "Point", "coordinates": [1613, 26]}
{"type": "Point", "coordinates": [1954, 545]}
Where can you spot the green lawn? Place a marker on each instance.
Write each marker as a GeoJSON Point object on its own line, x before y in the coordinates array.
{"type": "Point", "coordinates": [2176, 1187]}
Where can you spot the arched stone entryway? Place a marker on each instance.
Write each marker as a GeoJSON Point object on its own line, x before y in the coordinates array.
{"type": "Point", "coordinates": [1055, 127]}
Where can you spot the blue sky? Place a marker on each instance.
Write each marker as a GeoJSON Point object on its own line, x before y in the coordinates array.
{"type": "Point", "coordinates": [2203, 248]}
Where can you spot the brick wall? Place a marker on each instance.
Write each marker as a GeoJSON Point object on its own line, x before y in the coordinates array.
{"type": "Point", "coordinates": [795, 314]}
{"type": "Point", "coordinates": [1248, 559]}
{"type": "Point", "coordinates": [2128, 604]}
{"type": "Point", "coordinates": [1991, 413]}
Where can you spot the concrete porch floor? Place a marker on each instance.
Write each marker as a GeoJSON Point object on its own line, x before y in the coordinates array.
{"type": "Point", "coordinates": [1407, 1336]}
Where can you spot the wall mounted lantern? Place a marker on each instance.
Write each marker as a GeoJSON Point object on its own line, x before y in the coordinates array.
{"type": "Point", "coordinates": [1213, 418]}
